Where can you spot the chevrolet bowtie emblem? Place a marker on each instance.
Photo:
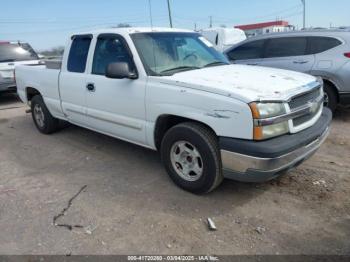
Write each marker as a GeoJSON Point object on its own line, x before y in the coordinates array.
{"type": "Point", "coordinates": [313, 106]}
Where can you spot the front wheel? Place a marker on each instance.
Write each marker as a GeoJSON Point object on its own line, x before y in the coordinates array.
{"type": "Point", "coordinates": [191, 156]}
{"type": "Point", "coordinates": [42, 118]}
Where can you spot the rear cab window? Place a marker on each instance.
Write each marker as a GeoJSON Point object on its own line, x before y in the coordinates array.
{"type": "Point", "coordinates": [320, 44]}
{"type": "Point", "coordinates": [250, 50]}
{"type": "Point", "coordinates": [285, 47]}
{"type": "Point", "coordinates": [12, 52]}
{"type": "Point", "coordinates": [78, 53]}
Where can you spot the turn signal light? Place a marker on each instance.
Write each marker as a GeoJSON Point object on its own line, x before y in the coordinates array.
{"type": "Point", "coordinates": [258, 133]}
{"type": "Point", "coordinates": [255, 111]}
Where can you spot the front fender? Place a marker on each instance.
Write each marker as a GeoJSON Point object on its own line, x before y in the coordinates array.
{"type": "Point", "coordinates": [227, 116]}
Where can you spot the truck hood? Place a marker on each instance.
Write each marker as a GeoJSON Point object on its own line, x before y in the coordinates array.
{"type": "Point", "coordinates": [243, 82]}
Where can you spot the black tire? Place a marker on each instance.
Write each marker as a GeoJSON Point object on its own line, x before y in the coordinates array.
{"type": "Point", "coordinates": [49, 124]}
{"type": "Point", "coordinates": [205, 143]}
{"type": "Point", "coordinates": [331, 100]}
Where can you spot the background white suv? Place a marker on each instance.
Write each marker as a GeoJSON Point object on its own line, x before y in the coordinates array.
{"type": "Point", "coordinates": [322, 53]}
{"type": "Point", "coordinates": [12, 54]}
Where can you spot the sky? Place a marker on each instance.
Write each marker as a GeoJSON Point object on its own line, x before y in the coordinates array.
{"type": "Point", "coordinates": [48, 23]}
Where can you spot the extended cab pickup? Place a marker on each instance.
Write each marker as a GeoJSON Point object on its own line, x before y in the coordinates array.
{"type": "Point", "coordinates": [170, 90]}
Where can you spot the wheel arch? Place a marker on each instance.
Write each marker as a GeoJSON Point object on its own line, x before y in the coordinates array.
{"type": "Point", "coordinates": [329, 81]}
{"type": "Point", "coordinates": [167, 121]}
{"type": "Point", "coordinates": [31, 92]}
{"type": "Point", "coordinates": [333, 85]}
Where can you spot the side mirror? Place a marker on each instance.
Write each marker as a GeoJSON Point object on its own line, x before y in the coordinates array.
{"type": "Point", "coordinates": [120, 70]}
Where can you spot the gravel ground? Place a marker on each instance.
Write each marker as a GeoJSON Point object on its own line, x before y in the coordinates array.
{"type": "Point", "coordinates": [130, 206]}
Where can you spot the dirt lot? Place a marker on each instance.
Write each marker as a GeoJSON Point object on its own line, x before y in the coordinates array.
{"type": "Point", "coordinates": [130, 205]}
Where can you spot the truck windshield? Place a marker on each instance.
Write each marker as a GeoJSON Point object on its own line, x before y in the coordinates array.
{"type": "Point", "coordinates": [11, 52]}
{"type": "Point", "coordinates": [165, 54]}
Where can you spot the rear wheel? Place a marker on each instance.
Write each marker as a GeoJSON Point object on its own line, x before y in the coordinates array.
{"type": "Point", "coordinates": [330, 97]}
{"type": "Point", "coordinates": [42, 118]}
{"type": "Point", "coordinates": [191, 156]}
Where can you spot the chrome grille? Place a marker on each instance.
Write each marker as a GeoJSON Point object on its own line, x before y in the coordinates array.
{"type": "Point", "coordinates": [303, 99]}
{"type": "Point", "coordinates": [305, 118]}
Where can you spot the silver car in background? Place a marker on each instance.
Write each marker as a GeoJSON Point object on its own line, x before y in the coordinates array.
{"type": "Point", "coordinates": [13, 54]}
{"type": "Point", "coordinates": [322, 53]}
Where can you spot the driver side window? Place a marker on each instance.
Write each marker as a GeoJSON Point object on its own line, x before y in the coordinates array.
{"type": "Point", "coordinates": [109, 49]}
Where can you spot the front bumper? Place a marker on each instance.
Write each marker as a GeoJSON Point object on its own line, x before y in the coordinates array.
{"type": "Point", "coordinates": [252, 161]}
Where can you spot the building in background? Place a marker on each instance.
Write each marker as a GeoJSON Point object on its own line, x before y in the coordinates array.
{"type": "Point", "coordinates": [266, 28]}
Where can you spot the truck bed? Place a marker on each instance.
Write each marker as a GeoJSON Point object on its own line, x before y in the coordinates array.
{"type": "Point", "coordinates": [43, 79]}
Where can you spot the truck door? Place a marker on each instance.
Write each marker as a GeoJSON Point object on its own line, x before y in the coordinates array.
{"type": "Point", "coordinates": [72, 81]}
{"type": "Point", "coordinates": [115, 106]}
{"type": "Point", "coordinates": [288, 53]}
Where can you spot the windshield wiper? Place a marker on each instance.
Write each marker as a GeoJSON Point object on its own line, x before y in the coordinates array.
{"type": "Point", "coordinates": [216, 63]}
{"type": "Point", "coordinates": [185, 68]}
{"type": "Point", "coordinates": [180, 69]}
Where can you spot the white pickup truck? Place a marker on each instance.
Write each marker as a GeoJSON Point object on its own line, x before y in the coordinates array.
{"type": "Point", "coordinates": [170, 90]}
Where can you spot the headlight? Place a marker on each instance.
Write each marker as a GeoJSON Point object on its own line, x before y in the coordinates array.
{"type": "Point", "coordinates": [265, 110]}
{"type": "Point", "coordinates": [268, 111]}
{"type": "Point", "coordinates": [266, 132]}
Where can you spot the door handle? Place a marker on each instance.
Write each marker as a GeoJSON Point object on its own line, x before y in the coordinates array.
{"type": "Point", "coordinates": [300, 62]}
{"type": "Point", "coordinates": [90, 87]}
{"type": "Point", "coordinates": [253, 64]}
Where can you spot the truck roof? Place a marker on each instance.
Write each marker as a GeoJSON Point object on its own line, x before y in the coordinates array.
{"type": "Point", "coordinates": [132, 30]}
